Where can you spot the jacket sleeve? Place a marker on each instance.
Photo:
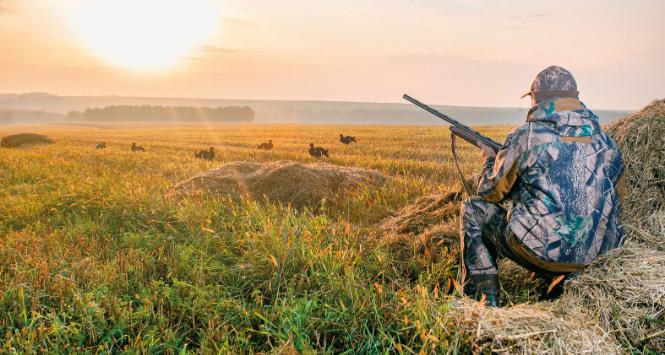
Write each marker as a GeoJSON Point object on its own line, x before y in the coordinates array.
{"type": "Point", "coordinates": [500, 174]}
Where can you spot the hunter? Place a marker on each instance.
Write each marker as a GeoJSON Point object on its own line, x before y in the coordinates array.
{"type": "Point", "coordinates": [561, 176]}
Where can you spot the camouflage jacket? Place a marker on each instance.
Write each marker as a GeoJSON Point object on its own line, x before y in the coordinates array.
{"type": "Point", "coordinates": [562, 173]}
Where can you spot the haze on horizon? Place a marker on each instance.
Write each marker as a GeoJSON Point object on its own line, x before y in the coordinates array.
{"type": "Point", "coordinates": [451, 52]}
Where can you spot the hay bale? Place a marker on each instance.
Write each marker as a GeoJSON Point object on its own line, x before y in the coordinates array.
{"type": "Point", "coordinates": [24, 140]}
{"type": "Point", "coordinates": [649, 233]}
{"type": "Point", "coordinates": [427, 218]}
{"type": "Point", "coordinates": [286, 182]}
{"type": "Point", "coordinates": [640, 138]}
{"type": "Point", "coordinates": [655, 224]}
{"type": "Point", "coordinates": [542, 328]}
{"type": "Point", "coordinates": [423, 233]}
{"type": "Point", "coordinates": [625, 289]}
{"type": "Point", "coordinates": [431, 220]}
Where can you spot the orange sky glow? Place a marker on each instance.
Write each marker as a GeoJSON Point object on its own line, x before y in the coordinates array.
{"type": "Point", "coordinates": [480, 53]}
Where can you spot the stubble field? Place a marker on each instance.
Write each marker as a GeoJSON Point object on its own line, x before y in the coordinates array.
{"type": "Point", "coordinates": [94, 258]}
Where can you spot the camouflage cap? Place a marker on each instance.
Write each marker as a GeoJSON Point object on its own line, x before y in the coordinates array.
{"type": "Point", "coordinates": [554, 80]}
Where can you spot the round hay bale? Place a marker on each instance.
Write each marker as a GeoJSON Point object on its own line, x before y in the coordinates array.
{"type": "Point", "coordinates": [286, 182]}
{"type": "Point", "coordinates": [23, 140]}
{"type": "Point", "coordinates": [641, 139]}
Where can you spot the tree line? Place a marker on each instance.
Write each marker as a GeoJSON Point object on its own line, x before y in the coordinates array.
{"type": "Point", "coordinates": [165, 113]}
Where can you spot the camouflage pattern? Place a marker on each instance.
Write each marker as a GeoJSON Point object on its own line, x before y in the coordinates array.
{"type": "Point", "coordinates": [486, 234]}
{"type": "Point", "coordinates": [554, 79]}
{"type": "Point", "coordinates": [484, 226]}
{"type": "Point", "coordinates": [561, 173]}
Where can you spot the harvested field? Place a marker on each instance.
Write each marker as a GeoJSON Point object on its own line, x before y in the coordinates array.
{"type": "Point", "coordinates": [95, 259]}
{"type": "Point", "coordinates": [23, 140]}
{"type": "Point", "coordinates": [88, 236]}
{"type": "Point", "coordinates": [286, 182]}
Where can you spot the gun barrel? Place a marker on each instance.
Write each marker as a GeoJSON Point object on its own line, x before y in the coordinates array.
{"type": "Point", "coordinates": [459, 129]}
{"type": "Point", "coordinates": [432, 111]}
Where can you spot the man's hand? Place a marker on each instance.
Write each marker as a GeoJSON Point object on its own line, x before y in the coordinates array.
{"type": "Point", "coordinates": [486, 151]}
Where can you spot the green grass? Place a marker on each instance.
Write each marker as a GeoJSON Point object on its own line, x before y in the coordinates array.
{"type": "Point", "coordinates": [93, 258]}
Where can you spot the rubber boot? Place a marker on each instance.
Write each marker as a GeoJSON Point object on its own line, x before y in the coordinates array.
{"type": "Point", "coordinates": [487, 285]}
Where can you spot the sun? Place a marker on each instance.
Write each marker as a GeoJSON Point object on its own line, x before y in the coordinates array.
{"type": "Point", "coordinates": [145, 35]}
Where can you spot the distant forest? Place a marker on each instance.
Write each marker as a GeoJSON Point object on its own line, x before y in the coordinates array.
{"type": "Point", "coordinates": [14, 116]}
{"type": "Point", "coordinates": [43, 107]}
{"type": "Point", "coordinates": [165, 113]}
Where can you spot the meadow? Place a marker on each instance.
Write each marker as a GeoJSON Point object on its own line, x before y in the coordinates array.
{"type": "Point", "coordinates": [93, 257]}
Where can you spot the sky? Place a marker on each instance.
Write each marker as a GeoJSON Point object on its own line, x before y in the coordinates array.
{"type": "Point", "coordinates": [454, 52]}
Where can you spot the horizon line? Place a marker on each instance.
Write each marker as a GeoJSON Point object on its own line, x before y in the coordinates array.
{"type": "Point", "coordinates": [291, 100]}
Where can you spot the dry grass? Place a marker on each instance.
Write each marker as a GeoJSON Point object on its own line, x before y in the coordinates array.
{"type": "Point", "coordinates": [625, 289]}
{"type": "Point", "coordinates": [286, 182]}
{"type": "Point", "coordinates": [424, 234]}
{"type": "Point", "coordinates": [429, 221]}
{"type": "Point", "coordinates": [532, 329]}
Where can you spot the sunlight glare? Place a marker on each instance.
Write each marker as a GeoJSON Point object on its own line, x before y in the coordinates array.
{"type": "Point", "coordinates": [144, 35]}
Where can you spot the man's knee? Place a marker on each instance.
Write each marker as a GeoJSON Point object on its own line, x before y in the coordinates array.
{"type": "Point", "coordinates": [475, 209]}
{"type": "Point", "coordinates": [470, 205]}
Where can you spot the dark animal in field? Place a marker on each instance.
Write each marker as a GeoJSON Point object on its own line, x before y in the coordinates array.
{"type": "Point", "coordinates": [318, 152]}
{"type": "Point", "coordinates": [347, 139]}
{"type": "Point", "coordinates": [206, 154]}
{"type": "Point", "coordinates": [101, 145]}
{"type": "Point", "coordinates": [265, 146]}
{"type": "Point", "coordinates": [137, 148]}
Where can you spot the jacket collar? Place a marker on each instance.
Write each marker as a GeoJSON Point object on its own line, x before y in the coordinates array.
{"type": "Point", "coordinates": [567, 111]}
